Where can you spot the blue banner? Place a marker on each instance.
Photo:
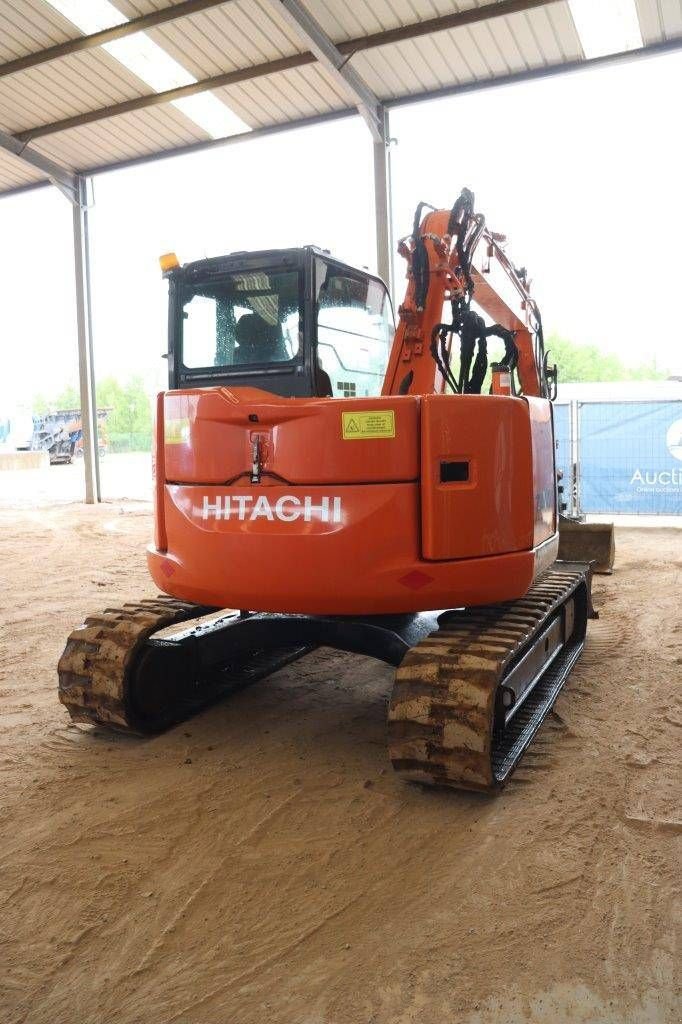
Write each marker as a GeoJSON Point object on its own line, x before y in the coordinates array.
{"type": "Point", "coordinates": [630, 457]}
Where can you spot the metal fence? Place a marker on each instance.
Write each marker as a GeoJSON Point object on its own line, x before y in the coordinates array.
{"type": "Point", "coordinates": [140, 441]}
{"type": "Point", "coordinates": [621, 457]}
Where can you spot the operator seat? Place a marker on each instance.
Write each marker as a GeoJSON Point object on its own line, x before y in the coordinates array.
{"type": "Point", "coordinates": [258, 341]}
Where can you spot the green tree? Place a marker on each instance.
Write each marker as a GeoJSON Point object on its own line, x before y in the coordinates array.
{"type": "Point", "coordinates": [579, 363]}
{"type": "Point", "coordinates": [69, 398]}
{"type": "Point", "coordinates": [129, 421]}
{"type": "Point", "coordinates": [66, 399]}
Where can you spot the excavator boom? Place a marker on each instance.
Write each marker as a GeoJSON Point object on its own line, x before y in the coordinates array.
{"type": "Point", "coordinates": [451, 258]}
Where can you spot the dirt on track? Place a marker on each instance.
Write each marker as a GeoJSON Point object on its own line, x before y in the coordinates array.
{"type": "Point", "coordinates": [262, 862]}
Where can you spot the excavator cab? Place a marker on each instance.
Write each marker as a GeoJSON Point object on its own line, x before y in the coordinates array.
{"type": "Point", "coordinates": [292, 322]}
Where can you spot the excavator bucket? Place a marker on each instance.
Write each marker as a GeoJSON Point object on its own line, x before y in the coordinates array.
{"type": "Point", "coordinates": [587, 542]}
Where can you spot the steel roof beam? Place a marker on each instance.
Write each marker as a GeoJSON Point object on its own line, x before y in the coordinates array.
{"type": "Point", "coordinates": [370, 108]}
{"type": "Point", "coordinates": [280, 128]}
{"type": "Point", "coordinates": [108, 35]}
{"type": "Point", "coordinates": [515, 78]}
{"type": "Point", "coordinates": [331, 58]}
{"type": "Point", "coordinates": [65, 180]}
{"type": "Point", "coordinates": [296, 60]}
{"type": "Point", "coordinates": [443, 22]}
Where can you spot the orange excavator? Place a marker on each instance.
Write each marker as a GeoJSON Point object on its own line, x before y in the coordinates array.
{"type": "Point", "coordinates": [321, 479]}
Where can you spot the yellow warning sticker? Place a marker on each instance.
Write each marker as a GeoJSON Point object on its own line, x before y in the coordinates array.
{"type": "Point", "coordinates": [361, 426]}
{"type": "Point", "coordinates": [176, 431]}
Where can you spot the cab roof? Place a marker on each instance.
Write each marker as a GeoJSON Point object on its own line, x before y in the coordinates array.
{"type": "Point", "coordinates": [254, 259]}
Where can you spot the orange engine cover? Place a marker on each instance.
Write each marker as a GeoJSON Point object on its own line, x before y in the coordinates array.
{"type": "Point", "coordinates": [355, 506]}
{"type": "Point", "coordinates": [209, 436]}
{"type": "Point", "coordinates": [477, 476]}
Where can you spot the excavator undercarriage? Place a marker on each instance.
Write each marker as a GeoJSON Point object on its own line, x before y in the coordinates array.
{"type": "Point", "coordinates": [471, 689]}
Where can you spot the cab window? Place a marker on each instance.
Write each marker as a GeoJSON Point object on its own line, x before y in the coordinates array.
{"type": "Point", "coordinates": [242, 319]}
{"type": "Point", "coordinates": [354, 331]}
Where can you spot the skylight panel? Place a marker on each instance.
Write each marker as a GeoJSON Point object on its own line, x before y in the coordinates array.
{"type": "Point", "coordinates": [150, 62]}
{"type": "Point", "coordinates": [606, 26]}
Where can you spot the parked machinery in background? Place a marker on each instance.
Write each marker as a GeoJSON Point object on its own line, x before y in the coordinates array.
{"type": "Point", "coordinates": [60, 434]}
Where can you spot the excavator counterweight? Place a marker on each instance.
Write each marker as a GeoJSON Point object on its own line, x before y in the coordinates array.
{"type": "Point", "coordinates": [323, 478]}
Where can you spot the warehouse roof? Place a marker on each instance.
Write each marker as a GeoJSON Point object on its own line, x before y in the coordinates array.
{"type": "Point", "coordinates": [119, 80]}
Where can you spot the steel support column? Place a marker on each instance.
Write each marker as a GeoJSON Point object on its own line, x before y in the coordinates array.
{"type": "Point", "coordinates": [77, 188]}
{"type": "Point", "coordinates": [382, 205]}
{"type": "Point", "coordinates": [86, 373]}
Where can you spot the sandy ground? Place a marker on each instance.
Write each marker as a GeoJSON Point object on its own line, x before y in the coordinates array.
{"type": "Point", "coordinates": [262, 863]}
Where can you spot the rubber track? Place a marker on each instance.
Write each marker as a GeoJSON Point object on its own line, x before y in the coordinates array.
{"type": "Point", "coordinates": [441, 713]}
{"type": "Point", "coordinates": [94, 666]}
